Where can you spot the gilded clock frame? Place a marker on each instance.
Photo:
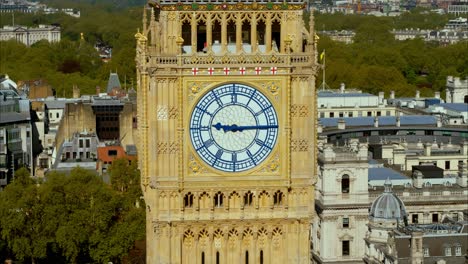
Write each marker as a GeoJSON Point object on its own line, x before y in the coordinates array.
{"type": "Point", "coordinates": [276, 89]}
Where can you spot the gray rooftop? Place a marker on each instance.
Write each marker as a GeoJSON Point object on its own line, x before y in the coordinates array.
{"type": "Point", "coordinates": [459, 107]}
{"type": "Point", "coordinates": [383, 120]}
{"type": "Point", "coordinates": [329, 94]}
{"type": "Point", "coordinates": [114, 82]}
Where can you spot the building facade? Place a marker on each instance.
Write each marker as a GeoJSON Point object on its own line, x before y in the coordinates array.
{"type": "Point", "coordinates": [226, 108]}
{"type": "Point", "coordinates": [29, 36]}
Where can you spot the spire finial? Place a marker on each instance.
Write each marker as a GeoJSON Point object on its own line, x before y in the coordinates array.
{"type": "Point", "coordinates": [388, 185]}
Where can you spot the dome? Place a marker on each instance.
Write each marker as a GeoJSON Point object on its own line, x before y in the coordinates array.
{"type": "Point", "coordinates": [388, 206]}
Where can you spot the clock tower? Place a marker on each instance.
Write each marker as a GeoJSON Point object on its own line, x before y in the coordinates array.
{"type": "Point", "coordinates": [227, 130]}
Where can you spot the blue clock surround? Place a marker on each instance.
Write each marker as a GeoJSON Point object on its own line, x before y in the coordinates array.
{"type": "Point", "coordinates": [233, 127]}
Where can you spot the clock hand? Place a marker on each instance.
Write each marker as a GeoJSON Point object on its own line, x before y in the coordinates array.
{"type": "Point", "coordinates": [236, 128]}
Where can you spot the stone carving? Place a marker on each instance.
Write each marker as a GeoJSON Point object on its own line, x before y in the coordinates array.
{"type": "Point", "coordinates": [299, 145]}
{"type": "Point", "coordinates": [299, 110]}
{"type": "Point", "coordinates": [169, 147]}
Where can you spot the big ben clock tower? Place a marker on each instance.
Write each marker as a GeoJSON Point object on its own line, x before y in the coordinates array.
{"type": "Point", "coordinates": [227, 130]}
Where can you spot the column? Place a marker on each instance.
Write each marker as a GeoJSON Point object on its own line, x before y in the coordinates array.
{"type": "Point", "coordinates": [268, 33]}
{"type": "Point", "coordinates": [224, 32]}
{"type": "Point", "coordinates": [209, 31]}
{"type": "Point", "coordinates": [194, 33]}
{"type": "Point", "coordinates": [238, 33]}
{"type": "Point", "coordinates": [253, 31]}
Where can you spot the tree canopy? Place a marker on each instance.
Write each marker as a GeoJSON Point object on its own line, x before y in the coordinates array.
{"type": "Point", "coordinates": [72, 218]}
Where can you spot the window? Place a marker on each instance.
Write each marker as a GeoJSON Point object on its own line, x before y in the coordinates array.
{"type": "Point", "coordinates": [332, 114]}
{"type": "Point", "coordinates": [426, 252]}
{"type": "Point", "coordinates": [345, 184]}
{"type": "Point", "coordinates": [188, 200]}
{"type": "Point", "coordinates": [88, 143]}
{"type": "Point", "coordinates": [345, 222]}
{"type": "Point", "coordinates": [203, 258]}
{"type": "Point", "coordinates": [414, 218]}
{"type": "Point", "coordinates": [435, 218]}
{"type": "Point", "coordinates": [218, 199]}
{"type": "Point", "coordinates": [448, 251]}
{"type": "Point", "coordinates": [360, 113]}
{"type": "Point", "coordinates": [350, 114]}
{"type": "Point", "coordinates": [112, 153]}
{"type": "Point", "coordinates": [217, 257]}
{"type": "Point", "coordinates": [248, 199]}
{"type": "Point", "coordinates": [322, 115]}
{"type": "Point", "coordinates": [345, 247]}
{"type": "Point", "coordinates": [458, 251]}
{"type": "Point", "coordinates": [340, 114]}
{"type": "Point", "coordinates": [447, 164]}
{"type": "Point", "coordinates": [261, 256]}
{"type": "Point", "coordinates": [369, 113]}
{"type": "Point", "coordinates": [388, 113]}
{"type": "Point", "coordinates": [379, 113]}
{"type": "Point", "coordinates": [246, 257]}
{"type": "Point", "coordinates": [278, 198]}
{"type": "Point", "coordinates": [81, 143]}
{"type": "Point", "coordinates": [28, 134]}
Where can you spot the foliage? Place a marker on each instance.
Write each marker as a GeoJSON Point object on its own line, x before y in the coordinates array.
{"type": "Point", "coordinates": [377, 62]}
{"type": "Point", "coordinates": [72, 218]}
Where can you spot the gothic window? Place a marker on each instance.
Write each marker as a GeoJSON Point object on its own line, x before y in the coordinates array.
{"type": "Point", "coordinates": [216, 33]}
{"type": "Point", "coordinates": [187, 33]}
{"type": "Point", "coordinates": [231, 32]}
{"type": "Point", "coordinates": [203, 258]}
{"type": "Point", "coordinates": [345, 184]}
{"type": "Point", "coordinates": [247, 257]}
{"type": "Point", "coordinates": [261, 256]}
{"type": "Point", "coordinates": [218, 199]}
{"type": "Point", "coordinates": [248, 198]}
{"type": "Point", "coordinates": [205, 201]}
{"type": "Point", "coordinates": [275, 35]}
{"type": "Point", "coordinates": [217, 257]}
{"type": "Point", "coordinates": [188, 200]}
{"type": "Point", "coordinates": [246, 32]}
{"type": "Point", "coordinates": [261, 32]}
{"type": "Point", "coordinates": [201, 36]}
{"type": "Point", "coordinates": [278, 198]}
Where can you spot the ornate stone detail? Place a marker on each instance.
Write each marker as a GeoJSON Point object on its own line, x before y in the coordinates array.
{"type": "Point", "coordinates": [195, 167]}
{"type": "Point", "coordinates": [299, 110]}
{"type": "Point", "coordinates": [273, 165]}
{"type": "Point", "coordinates": [299, 145]}
{"type": "Point", "coordinates": [173, 112]}
{"type": "Point", "coordinates": [163, 112]}
{"type": "Point", "coordinates": [273, 88]}
{"type": "Point", "coordinates": [169, 147]}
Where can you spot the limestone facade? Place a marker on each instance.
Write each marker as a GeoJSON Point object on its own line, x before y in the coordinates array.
{"type": "Point", "coordinates": [195, 212]}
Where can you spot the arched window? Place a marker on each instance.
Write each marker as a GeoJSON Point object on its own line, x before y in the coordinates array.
{"type": "Point", "coordinates": [201, 36]}
{"type": "Point", "coordinates": [218, 199]}
{"type": "Point", "coordinates": [217, 257]}
{"type": "Point", "coordinates": [345, 183]}
{"type": "Point", "coordinates": [247, 257]}
{"type": "Point", "coordinates": [248, 198]}
{"type": "Point", "coordinates": [187, 33]}
{"type": "Point", "coordinates": [261, 256]}
{"type": "Point", "coordinates": [278, 198]}
{"type": "Point", "coordinates": [203, 258]}
{"type": "Point", "coordinates": [188, 200]}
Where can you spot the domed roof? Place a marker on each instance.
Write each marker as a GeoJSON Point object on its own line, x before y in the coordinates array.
{"type": "Point", "coordinates": [388, 206]}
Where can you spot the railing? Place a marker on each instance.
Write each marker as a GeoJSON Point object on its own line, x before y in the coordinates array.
{"type": "Point", "coordinates": [189, 2]}
{"type": "Point", "coordinates": [230, 59]}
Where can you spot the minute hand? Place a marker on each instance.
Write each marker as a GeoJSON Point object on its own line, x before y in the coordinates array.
{"type": "Point", "coordinates": [235, 128]}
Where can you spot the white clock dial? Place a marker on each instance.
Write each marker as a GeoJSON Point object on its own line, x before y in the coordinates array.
{"type": "Point", "coordinates": [233, 127]}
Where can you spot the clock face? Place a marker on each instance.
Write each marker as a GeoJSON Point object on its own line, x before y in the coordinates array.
{"type": "Point", "coordinates": [233, 127]}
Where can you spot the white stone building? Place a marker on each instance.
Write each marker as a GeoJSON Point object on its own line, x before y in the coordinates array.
{"type": "Point", "coordinates": [457, 90]}
{"type": "Point", "coordinates": [29, 36]}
